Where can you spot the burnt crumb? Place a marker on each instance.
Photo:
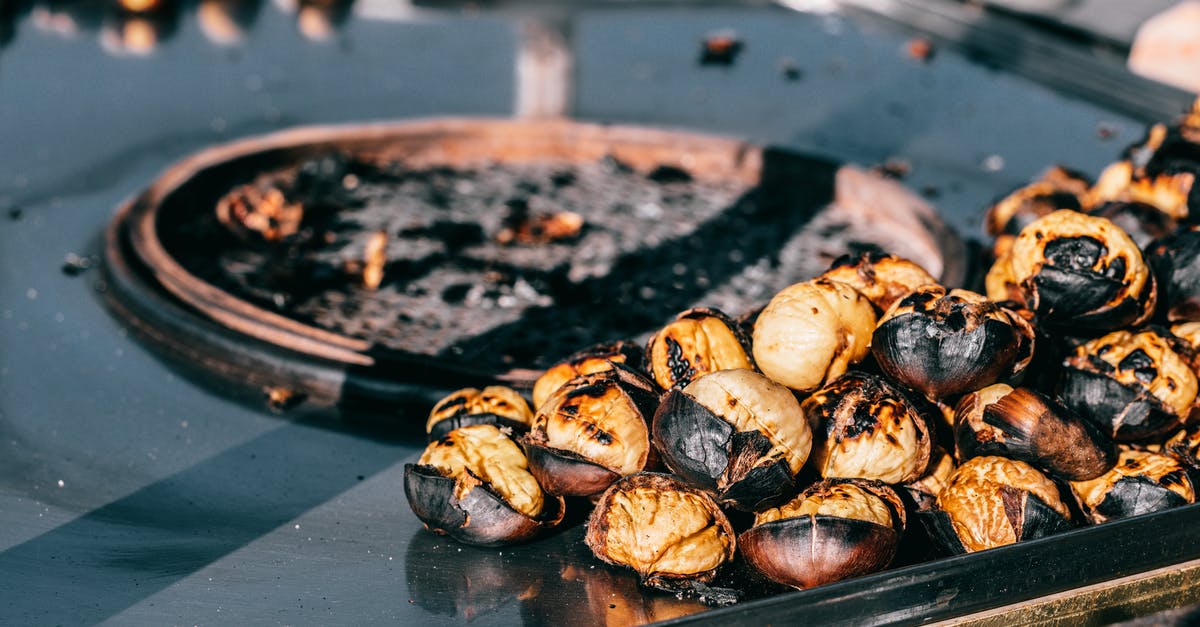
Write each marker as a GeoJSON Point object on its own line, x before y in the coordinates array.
{"type": "Point", "coordinates": [790, 70]}
{"type": "Point", "coordinates": [894, 168]}
{"type": "Point", "coordinates": [281, 399]}
{"type": "Point", "coordinates": [15, 213]}
{"type": "Point", "coordinates": [75, 265]}
{"type": "Point", "coordinates": [1106, 131]}
{"type": "Point", "coordinates": [455, 294]}
{"type": "Point", "coordinates": [615, 166]}
{"type": "Point", "coordinates": [563, 178]}
{"type": "Point", "coordinates": [931, 191]}
{"type": "Point", "coordinates": [669, 174]}
{"type": "Point", "coordinates": [921, 49]}
{"type": "Point", "coordinates": [720, 48]}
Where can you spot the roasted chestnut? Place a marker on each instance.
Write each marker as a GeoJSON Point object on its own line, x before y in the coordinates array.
{"type": "Point", "coordinates": [474, 486]}
{"type": "Point", "coordinates": [1140, 483]}
{"type": "Point", "coordinates": [1059, 189]}
{"type": "Point", "coordinates": [866, 428]}
{"type": "Point", "coordinates": [811, 332]}
{"type": "Point", "coordinates": [835, 529]}
{"type": "Point", "coordinates": [591, 360]}
{"type": "Point", "coordinates": [882, 278]}
{"type": "Point", "coordinates": [924, 491]}
{"type": "Point", "coordinates": [495, 404]}
{"type": "Point", "coordinates": [945, 343]}
{"type": "Point", "coordinates": [1176, 263]}
{"type": "Point", "coordinates": [1184, 446]}
{"type": "Point", "coordinates": [1022, 424]}
{"type": "Point", "coordinates": [592, 431]}
{"type": "Point", "coordinates": [697, 342]}
{"type": "Point", "coordinates": [1142, 222]}
{"type": "Point", "coordinates": [1132, 385]}
{"type": "Point", "coordinates": [736, 434]}
{"type": "Point", "coordinates": [993, 501]}
{"type": "Point", "coordinates": [1081, 271]}
{"type": "Point", "coordinates": [667, 532]}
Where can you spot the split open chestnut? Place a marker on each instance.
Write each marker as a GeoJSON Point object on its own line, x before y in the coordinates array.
{"type": "Point", "coordinates": [1176, 263]}
{"type": "Point", "coordinates": [1057, 189]}
{"type": "Point", "coordinates": [1140, 483]}
{"type": "Point", "coordinates": [667, 532]}
{"type": "Point", "coordinates": [735, 434]}
{"type": "Point", "coordinates": [866, 428]}
{"type": "Point", "coordinates": [1022, 424]}
{"type": "Point", "coordinates": [882, 278]}
{"type": "Point", "coordinates": [835, 529]}
{"type": "Point", "coordinates": [592, 431]}
{"type": "Point", "coordinates": [597, 358]}
{"type": "Point", "coordinates": [697, 342]}
{"type": "Point", "coordinates": [495, 404]}
{"type": "Point", "coordinates": [474, 486]}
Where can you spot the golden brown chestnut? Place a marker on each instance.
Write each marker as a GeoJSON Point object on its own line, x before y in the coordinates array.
{"type": "Point", "coordinates": [667, 532]}
{"type": "Point", "coordinates": [882, 278]}
{"type": "Point", "coordinates": [924, 491]}
{"type": "Point", "coordinates": [474, 486]}
{"type": "Point", "coordinates": [736, 434]}
{"type": "Point", "coordinates": [993, 501]}
{"type": "Point", "coordinates": [1022, 424]}
{"type": "Point", "coordinates": [597, 358]}
{"type": "Point", "coordinates": [945, 343]}
{"type": "Point", "coordinates": [697, 342]}
{"type": "Point", "coordinates": [1133, 385]}
{"type": "Point", "coordinates": [1082, 271]}
{"type": "Point", "coordinates": [495, 404]}
{"type": "Point", "coordinates": [1141, 482]}
{"type": "Point", "coordinates": [1176, 263]}
{"type": "Point", "coordinates": [835, 529]}
{"type": "Point", "coordinates": [866, 428]}
{"type": "Point", "coordinates": [811, 332]}
{"type": "Point", "coordinates": [592, 431]}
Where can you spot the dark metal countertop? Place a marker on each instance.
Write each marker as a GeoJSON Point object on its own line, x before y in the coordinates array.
{"type": "Point", "coordinates": [130, 494]}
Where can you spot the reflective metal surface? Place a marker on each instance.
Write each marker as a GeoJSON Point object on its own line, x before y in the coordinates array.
{"type": "Point", "coordinates": [133, 495]}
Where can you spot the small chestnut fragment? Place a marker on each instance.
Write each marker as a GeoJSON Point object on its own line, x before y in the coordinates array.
{"type": "Point", "coordinates": [597, 358]}
{"type": "Point", "coordinates": [667, 532]}
{"type": "Point", "coordinates": [1176, 263]}
{"type": "Point", "coordinates": [882, 278]}
{"type": "Point", "coordinates": [474, 486]}
{"type": "Point", "coordinates": [950, 342]}
{"type": "Point", "coordinates": [697, 342]}
{"type": "Point", "coordinates": [1132, 385]}
{"type": "Point", "coordinates": [736, 434]}
{"type": "Point", "coordinates": [1081, 271]}
{"type": "Point", "coordinates": [811, 332]}
{"type": "Point", "coordinates": [259, 212]}
{"type": "Point", "coordinates": [1140, 483]}
{"type": "Point", "coordinates": [1019, 423]}
{"type": "Point", "coordinates": [866, 428]}
{"type": "Point", "coordinates": [924, 491]}
{"type": "Point", "coordinates": [835, 529]}
{"type": "Point", "coordinates": [993, 501]}
{"type": "Point", "coordinates": [592, 431]}
{"type": "Point", "coordinates": [495, 404]}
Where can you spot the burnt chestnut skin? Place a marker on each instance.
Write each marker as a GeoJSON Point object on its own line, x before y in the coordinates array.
{"type": "Point", "coordinates": [1176, 263]}
{"type": "Point", "coordinates": [1141, 482]}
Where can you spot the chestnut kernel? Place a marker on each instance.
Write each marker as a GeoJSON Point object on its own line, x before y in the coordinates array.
{"type": "Point", "coordinates": [1140, 483]}
{"type": "Point", "coordinates": [882, 278]}
{"type": "Point", "coordinates": [495, 404]}
{"type": "Point", "coordinates": [697, 342]}
{"type": "Point", "coordinates": [597, 358]}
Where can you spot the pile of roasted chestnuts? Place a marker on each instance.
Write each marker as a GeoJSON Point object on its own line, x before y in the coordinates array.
{"type": "Point", "coordinates": [809, 437]}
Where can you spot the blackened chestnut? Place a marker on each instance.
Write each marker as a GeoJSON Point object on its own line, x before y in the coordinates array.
{"type": "Point", "coordinates": [811, 332]}
{"type": "Point", "coordinates": [1022, 424]}
{"type": "Point", "coordinates": [1133, 385]}
{"type": "Point", "coordinates": [1081, 271]}
{"type": "Point", "coordinates": [993, 501]}
{"type": "Point", "coordinates": [945, 343]}
{"type": "Point", "coordinates": [1142, 222]}
{"type": "Point", "coordinates": [736, 434]}
{"type": "Point", "coordinates": [592, 431]}
{"type": "Point", "coordinates": [866, 428]}
{"type": "Point", "coordinates": [1140, 483]}
{"type": "Point", "coordinates": [882, 278]}
{"type": "Point", "coordinates": [474, 486]}
{"type": "Point", "coordinates": [697, 342]}
{"type": "Point", "coordinates": [1176, 263]}
{"type": "Point", "coordinates": [597, 358]}
{"type": "Point", "coordinates": [495, 404]}
{"type": "Point", "coordinates": [667, 532]}
{"type": "Point", "coordinates": [835, 529]}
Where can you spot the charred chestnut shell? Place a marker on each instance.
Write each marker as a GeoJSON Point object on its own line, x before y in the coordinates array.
{"type": "Point", "coordinates": [591, 360]}
{"type": "Point", "coordinates": [1185, 447]}
{"type": "Point", "coordinates": [882, 278]}
{"type": "Point", "coordinates": [833, 530]}
{"type": "Point", "coordinates": [1131, 385]}
{"type": "Point", "coordinates": [945, 343]}
{"type": "Point", "coordinates": [924, 491]}
{"type": "Point", "coordinates": [993, 501]}
{"type": "Point", "coordinates": [811, 332]}
{"type": "Point", "coordinates": [1022, 424]}
{"type": "Point", "coordinates": [697, 342]}
{"type": "Point", "coordinates": [1081, 271]}
{"type": "Point", "coordinates": [495, 404]}
{"type": "Point", "coordinates": [1140, 483]}
{"type": "Point", "coordinates": [866, 428]}
{"type": "Point", "coordinates": [1176, 263]}
{"type": "Point", "coordinates": [667, 532]}
{"type": "Point", "coordinates": [473, 485]}
{"type": "Point", "coordinates": [1005, 219]}
{"type": "Point", "coordinates": [1142, 222]}
{"type": "Point", "coordinates": [735, 434]}
{"type": "Point", "coordinates": [592, 431]}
